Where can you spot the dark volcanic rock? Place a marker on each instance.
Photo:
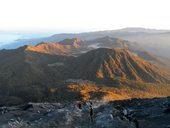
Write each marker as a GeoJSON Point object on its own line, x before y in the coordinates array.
{"type": "Point", "coordinates": [135, 113]}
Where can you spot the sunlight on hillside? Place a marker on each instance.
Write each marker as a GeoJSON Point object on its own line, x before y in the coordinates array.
{"type": "Point", "coordinates": [135, 90]}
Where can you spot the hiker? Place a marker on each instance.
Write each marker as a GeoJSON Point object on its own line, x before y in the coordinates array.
{"type": "Point", "coordinates": [80, 104]}
{"type": "Point", "coordinates": [91, 112]}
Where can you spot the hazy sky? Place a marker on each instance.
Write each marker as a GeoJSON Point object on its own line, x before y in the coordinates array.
{"type": "Point", "coordinates": [82, 15]}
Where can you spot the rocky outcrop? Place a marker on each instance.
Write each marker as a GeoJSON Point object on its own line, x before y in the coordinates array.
{"type": "Point", "coordinates": [135, 113]}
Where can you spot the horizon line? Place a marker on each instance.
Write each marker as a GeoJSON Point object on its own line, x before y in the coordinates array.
{"type": "Point", "coordinates": [76, 32]}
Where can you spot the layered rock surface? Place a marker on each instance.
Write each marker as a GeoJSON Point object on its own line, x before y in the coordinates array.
{"type": "Point", "coordinates": [135, 113]}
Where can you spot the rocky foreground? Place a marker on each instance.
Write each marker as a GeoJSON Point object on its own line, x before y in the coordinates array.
{"type": "Point", "coordinates": [135, 113]}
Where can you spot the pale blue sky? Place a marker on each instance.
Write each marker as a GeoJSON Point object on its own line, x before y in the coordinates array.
{"type": "Point", "coordinates": [10, 37]}
{"type": "Point", "coordinates": [82, 15]}
{"type": "Point", "coordinates": [35, 18]}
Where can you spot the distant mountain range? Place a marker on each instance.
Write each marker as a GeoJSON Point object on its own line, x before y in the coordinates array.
{"type": "Point", "coordinates": [47, 70]}
{"type": "Point", "coordinates": [76, 46]}
{"type": "Point", "coordinates": [155, 41]}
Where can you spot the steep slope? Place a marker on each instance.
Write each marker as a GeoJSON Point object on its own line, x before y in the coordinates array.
{"type": "Point", "coordinates": [108, 64]}
{"type": "Point", "coordinates": [109, 42]}
{"type": "Point", "coordinates": [24, 75]}
{"type": "Point", "coordinates": [23, 67]}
